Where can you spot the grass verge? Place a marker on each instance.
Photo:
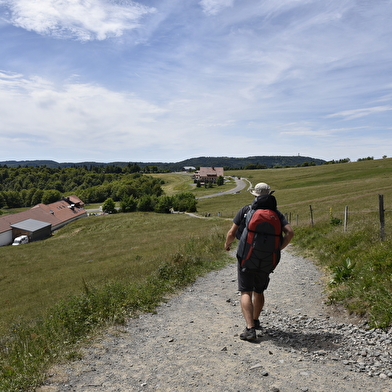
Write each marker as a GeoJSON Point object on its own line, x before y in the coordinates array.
{"type": "Point", "coordinates": [359, 266]}
{"type": "Point", "coordinates": [30, 346]}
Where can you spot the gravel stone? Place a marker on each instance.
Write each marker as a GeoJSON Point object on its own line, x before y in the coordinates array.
{"type": "Point", "coordinates": [304, 344]}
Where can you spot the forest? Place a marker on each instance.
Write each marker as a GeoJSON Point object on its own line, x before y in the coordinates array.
{"type": "Point", "coordinates": [30, 185]}
{"type": "Point", "coordinates": [259, 162]}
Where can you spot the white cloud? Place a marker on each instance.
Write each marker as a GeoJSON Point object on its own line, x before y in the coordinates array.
{"type": "Point", "coordinates": [88, 120]}
{"type": "Point", "coordinates": [357, 113]}
{"type": "Point", "coordinates": [72, 116]}
{"type": "Point", "coordinates": [213, 7]}
{"type": "Point", "coordinates": [80, 19]}
{"type": "Point", "coordinates": [314, 129]}
{"type": "Point", "coordinates": [278, 72]}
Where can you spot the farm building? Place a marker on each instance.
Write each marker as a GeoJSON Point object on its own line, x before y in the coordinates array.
{"type": "Point", "coordinates": [208, 174]}
{"type": "Point", "coordinates": [41, 220]}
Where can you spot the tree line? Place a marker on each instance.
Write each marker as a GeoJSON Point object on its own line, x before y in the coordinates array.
{"type": "Point", "coordinates": [228, 163]}
{"type": "Point", "coordinates": [29, 186]}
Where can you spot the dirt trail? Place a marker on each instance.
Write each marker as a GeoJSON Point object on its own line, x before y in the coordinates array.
{"type": "Point", "coordinates": [192, 343]}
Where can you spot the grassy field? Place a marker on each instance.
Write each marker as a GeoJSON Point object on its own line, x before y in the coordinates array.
{"type": "Point", "coordinates": [95, 249]}
{"type": "Point", "coordinates": [356, 185]}
{"type": "Point", "coordinates": [358, 263]}
{"type": "Point", "coordinates": [183, 182]}
{"type": "Point", "coordinates": [104, 268]}
{"type": "Point", "coordinates": [100, 269]}
{"type": "Point", "coordinates": [105, 247]}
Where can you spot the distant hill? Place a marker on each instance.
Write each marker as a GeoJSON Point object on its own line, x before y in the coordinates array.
{"type": "Point", "coordinates": [269, 161]}
{"type": "Point", "coordinates": [226, 162]}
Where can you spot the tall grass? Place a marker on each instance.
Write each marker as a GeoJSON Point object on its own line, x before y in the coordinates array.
{"type": "Point", "coordinates": [359, 265]}
{"type": "Point", "coordinates": [130, 276]}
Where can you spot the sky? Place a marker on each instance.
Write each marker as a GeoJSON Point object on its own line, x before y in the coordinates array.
{"type": "Point", "coordinates": [168, 80]}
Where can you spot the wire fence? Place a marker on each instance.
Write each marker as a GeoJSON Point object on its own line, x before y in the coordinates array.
{"type": "Point", "coordinates": [294, 218]}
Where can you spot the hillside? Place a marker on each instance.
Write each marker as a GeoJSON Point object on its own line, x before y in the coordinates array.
{"type": "Point", "coordinates": [106, 266]}
{"type": "Point", "coordinates": [226, 162]}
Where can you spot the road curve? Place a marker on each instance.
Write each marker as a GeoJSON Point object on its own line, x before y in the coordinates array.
{"type": "Point", "coordinates": [241, 183]}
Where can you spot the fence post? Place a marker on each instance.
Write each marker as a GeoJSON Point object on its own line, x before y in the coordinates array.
{"type": "Point", "coordinates": [382, 217]}
{"type": "Point", "coordinates": [345, 218]}
{"type": "Point", "coordinates": [311, 215]}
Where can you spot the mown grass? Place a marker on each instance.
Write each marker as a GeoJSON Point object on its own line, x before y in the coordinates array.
{"type": "Point", "coordinates": [95, 271]}
{"type": "Point", "coordinates": [183, 182]}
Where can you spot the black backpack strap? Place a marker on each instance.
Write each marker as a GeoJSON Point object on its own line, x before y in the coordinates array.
{"type": "Point", "coordinates": [242, 224]}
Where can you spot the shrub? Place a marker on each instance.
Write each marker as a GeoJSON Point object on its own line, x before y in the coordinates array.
{"type": "Point", "coordinates": [109, 206]}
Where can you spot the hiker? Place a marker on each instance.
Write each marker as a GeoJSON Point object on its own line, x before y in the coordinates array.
{"type": "Point", "coordinates": [253, 282]}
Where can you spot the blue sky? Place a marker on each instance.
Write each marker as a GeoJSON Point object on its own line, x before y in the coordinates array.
{"type": "Point", "coordinates": [167, 80]}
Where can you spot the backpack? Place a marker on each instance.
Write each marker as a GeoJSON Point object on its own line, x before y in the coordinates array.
{"type": "Point", "coordinates": [260, 241]}
{"type": "Point", "coordinates": [241, 227]}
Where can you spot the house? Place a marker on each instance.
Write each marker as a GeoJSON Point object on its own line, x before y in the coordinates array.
{"type": "Point", "coordinates": [35, 222]}
{"type": "Point", "coordinates": [208, 174]}
{"type": "Point", "coordinates": [34, 229]}
{"type": "Point", "coordinates": [188, 168]}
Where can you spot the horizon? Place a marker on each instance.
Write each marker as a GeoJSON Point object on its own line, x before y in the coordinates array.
{"type": "Point", "coordinates": [165, 162]}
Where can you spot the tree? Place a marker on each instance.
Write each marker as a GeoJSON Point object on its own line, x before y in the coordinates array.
{"type": "Point", "coordinates": [13, 199]}
{"type": "Point", "coordinates": [164, 204]}
{"type": "Point", "coordinates": [51, 196]}
{"type": "Point", "coordinates": [2, 201]}
{"type": "Point", "coordinates": [185, 201]}
{"type": "Point", "coordinates": [28, 199]}
{"type": "Point", "coordinates": [220, 181]}
{"type": "Point", "coordinates": [37, 197]}
{"type": "Point", "coordinates": [109, 206]}
{"type": "Point", "coordinates": [128, 204]}
{"type": "Point", "coordinates": [146, 203]}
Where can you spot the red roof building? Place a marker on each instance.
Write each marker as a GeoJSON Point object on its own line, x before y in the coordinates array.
{"type": "Point", "coordinates": [208, 174]}
{"type": "Point", "coordinates": [58, 214]}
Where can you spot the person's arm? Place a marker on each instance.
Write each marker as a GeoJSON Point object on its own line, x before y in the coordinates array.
{"type": "Point", "coordinates": [288, 235]}
{"type": "Point", "coordinates": [230, 237]}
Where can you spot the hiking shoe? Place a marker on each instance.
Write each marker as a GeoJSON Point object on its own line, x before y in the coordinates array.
{"type": "Point", "coordinates": [248, 334]}
{"type": "Point", "coordinates": [257, 324]}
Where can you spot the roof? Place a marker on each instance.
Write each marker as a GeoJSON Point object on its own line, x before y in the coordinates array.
{"type": "Point", "coordinates": [73, 199]}
{"type": "Point", "coordinates": [210, 172]}
{"type": "Point", "coordinates": [57, 214]}
{"type": "Point", "coordinates": [30, 225]}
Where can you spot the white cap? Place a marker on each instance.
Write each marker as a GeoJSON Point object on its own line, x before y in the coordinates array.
{"type": "Point", "coordinates": [261, 189]}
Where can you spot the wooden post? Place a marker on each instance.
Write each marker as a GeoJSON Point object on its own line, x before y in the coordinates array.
{"type": "Point", "coordinates": [297, 219]}
{"type": "Point", "coordinates": [311, 215]}
{"type": "Point", "coordinates": [345, 218]}
{"type": "Point", "coordinates": [382, 217]}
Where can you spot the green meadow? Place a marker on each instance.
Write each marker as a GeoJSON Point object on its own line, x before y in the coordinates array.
{"type": "Point", "coordinates": [102, 269]}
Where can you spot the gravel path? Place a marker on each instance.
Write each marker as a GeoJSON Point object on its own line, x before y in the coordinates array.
{"type": "Point", "coordinates": [192, 343]}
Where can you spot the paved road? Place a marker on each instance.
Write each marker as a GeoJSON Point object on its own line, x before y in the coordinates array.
{"type": "Point", "coordinates": [240, 185]}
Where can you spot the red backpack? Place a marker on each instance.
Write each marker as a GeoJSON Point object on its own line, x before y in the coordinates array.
{"type": "Point", "coordinates": [260, 242]}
